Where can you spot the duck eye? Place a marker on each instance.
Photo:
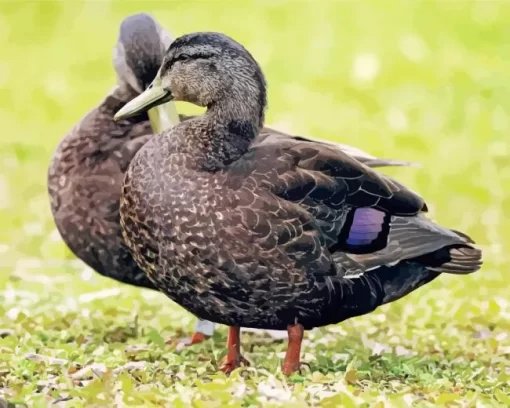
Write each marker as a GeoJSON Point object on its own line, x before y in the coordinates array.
{"type": "Point", "coordinates": [184, 57]}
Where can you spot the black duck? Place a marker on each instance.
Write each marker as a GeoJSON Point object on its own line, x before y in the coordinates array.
{"type": "Point", "coordinates": [293, 234]}
{"type": "Point", "coordinates": [87, 169]}
{"type": "Point", "coordinates": [287, 235]}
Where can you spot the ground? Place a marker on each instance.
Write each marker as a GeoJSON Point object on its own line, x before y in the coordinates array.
{"type": "Point", "coordinates": [422, 81]}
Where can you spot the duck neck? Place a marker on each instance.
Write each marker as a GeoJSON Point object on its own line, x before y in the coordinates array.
{"type": "Point", "coordinates": [229, 127]}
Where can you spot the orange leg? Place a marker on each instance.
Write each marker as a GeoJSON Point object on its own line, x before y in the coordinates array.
{"type": "Point", "coordinates": [195, 338]}
{"type": "Point", "coordinates": [292, 360]}
{"type": "Point", "coordinates": [198, 338]}
{"type": "Point", "coordinates": [233, 359]}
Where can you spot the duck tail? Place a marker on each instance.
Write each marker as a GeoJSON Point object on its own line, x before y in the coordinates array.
{"type": "Point", "coordinates": [408, 275]}
{"type": "Point", "coordinates": [387, 283]}
{"type": "Point", "coordinates": [418, 252]}
{"type": "Point", "coordinates": [405, 277]}
{"type": "Point", "coordinates": [458, 259]}
{"type": "Point", "coordinates": [419, 240]}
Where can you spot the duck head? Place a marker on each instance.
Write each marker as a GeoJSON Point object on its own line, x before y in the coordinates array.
{"type": "Point", "coordinates": [206, 69]}
{"type": "Point", "coordinates": [137, 56]}
{"type": "Point", "coordinates": [139, 51]}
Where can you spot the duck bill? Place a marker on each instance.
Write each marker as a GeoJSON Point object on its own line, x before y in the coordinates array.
{"type": "Point", "coordinates": [153, 96]}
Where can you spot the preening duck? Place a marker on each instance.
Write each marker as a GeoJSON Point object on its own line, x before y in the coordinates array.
{"type": "Point", "coordinates": [86, 171]}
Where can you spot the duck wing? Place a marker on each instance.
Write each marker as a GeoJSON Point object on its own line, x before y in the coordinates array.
{"type": "Point", "coordinates": [350, 203]}
{"type": "Point", "coordinates": [305, 205]}
{"type": "Point", "coordinates": [371, 217]}
{"type": "Point", "coordinates": [269, 135]}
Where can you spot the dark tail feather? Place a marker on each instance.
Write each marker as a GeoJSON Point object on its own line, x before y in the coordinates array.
{"type": "Point", "coordinates": [456, 259]}
{"type": "Point", "coordinates": [418, 239]}
{"type": "Point", "coordinates": [399, 280]}
{"type": "Point", "coordinates": [388, 283]}
{"type": "Point", "coordinates": [405, 277]}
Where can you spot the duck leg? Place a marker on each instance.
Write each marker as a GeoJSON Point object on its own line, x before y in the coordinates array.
{"type": "Point", "coordinates": [233, 359]}
{"type": "Point", "coordinates": [195, 338]}
{"type": "Point", "coordinates": [203, 331]}
{"type": "Point", "coordinates": [292, 360]}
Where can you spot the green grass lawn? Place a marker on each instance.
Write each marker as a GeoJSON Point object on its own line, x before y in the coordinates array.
{"type": "Point", "coordinates": [423, 81]}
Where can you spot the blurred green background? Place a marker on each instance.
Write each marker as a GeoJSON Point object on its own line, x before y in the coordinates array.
{"type": "Point", "coordinates": [423, 81]}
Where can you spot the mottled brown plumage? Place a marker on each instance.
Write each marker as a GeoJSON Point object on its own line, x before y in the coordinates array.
{"type": "Point", "coordinates": [87, 169]}
{"type": "Point", "coordinates": [293, 234]}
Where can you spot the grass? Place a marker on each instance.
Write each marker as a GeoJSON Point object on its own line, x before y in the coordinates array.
{"type": "Point", "coordinates": [423, 81]}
